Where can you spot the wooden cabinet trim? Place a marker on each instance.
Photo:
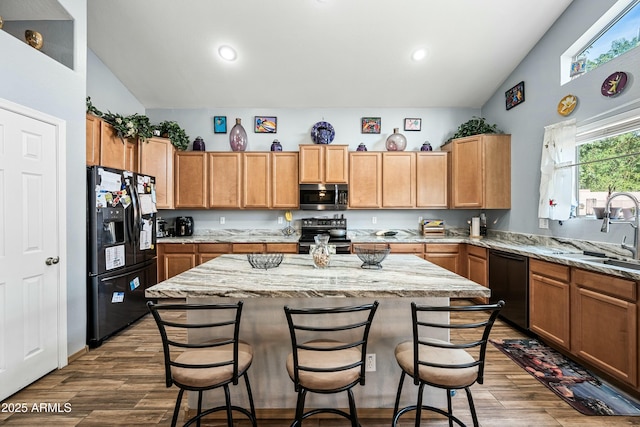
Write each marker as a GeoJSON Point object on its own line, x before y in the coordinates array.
{"type": "Point", "coordinates": [214, 247]}
{"type": "Point", "coordinates": [178, 248]}
{"type": "Point", "coordinates": [407, 248]}
{"type": "Point", "coordinates": [550, 269]}
{"type": "Point", "coordinates": [442, 247]}
{"type": "Point", "coordinates": [477, 251]}
{"type": "Point", "coordinates": [609, 285]}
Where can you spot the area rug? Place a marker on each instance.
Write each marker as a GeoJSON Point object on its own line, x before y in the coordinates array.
{"type": "Point", "coordinates": [581, 389]}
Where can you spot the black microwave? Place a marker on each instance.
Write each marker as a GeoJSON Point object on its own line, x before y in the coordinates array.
{"type": "Point", "coordinates": [324, 197]}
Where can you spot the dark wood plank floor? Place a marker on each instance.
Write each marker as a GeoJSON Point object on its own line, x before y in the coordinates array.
{"type": "Point", "coordinates": [121, 383]}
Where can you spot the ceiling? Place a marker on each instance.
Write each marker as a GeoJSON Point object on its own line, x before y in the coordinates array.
{"type": "Point", "coordinates": [316, 53]}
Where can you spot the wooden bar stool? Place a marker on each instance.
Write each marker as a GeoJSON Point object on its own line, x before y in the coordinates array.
{"type": "Point", "coordinates": [216, 361]}
{"type": "Point", "coordinates": [329, 350]}
{"type": "Point", "coordinates": [450, 365]}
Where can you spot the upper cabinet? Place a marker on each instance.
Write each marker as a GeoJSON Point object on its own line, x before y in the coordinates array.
{"type": "Point", "coordinates": [431, 179]}
{"type": "Point", "coordinates": [480, 172]}
{"type": "Point", "coordinates": [365, 175]}
{"type": "Point", "coordinates": [155, 158]}
{"type": "Point", "coordinates": [190, 183]}
{"type": "Point", "coordinates": [320, 163]}
{"type": "Point", "coordinates": [253, 180]}
{"type": "Point", "coordinates": [399, 179]}
{"type": "Point", "coordinates": [105, 148]}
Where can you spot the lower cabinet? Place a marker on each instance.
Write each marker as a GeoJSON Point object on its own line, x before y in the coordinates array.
{"type": "Point", "coordinates": [175, 258]}
{"type": "Point", "coordinates": [478, 268]}
{"type": "Point", "coordinates": [445, 255]}
{"type": "Point", "coordinates": [549, 286]}
{"type": "Point", "coordinates": [604, 323]}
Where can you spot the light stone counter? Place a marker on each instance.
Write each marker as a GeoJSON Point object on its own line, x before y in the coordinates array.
{"type": "Point", "coordinates": [403, 279]}
{"type": "Point", "coordinates": [296, 277]}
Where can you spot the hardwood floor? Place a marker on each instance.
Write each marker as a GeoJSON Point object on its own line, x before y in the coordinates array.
{"type": "Point", "coordinates": [121, 383]}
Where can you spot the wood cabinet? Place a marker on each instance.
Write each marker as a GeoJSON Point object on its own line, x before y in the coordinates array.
{"type": "Point", "coordinates": [155, 158]}
{"type": "Point", "coordinates": [398, 179]}
{"type": "Point", "coordinates": [446, 255]}
{"type": "Point", "coordinates": [209, 251]}
{"type": "Point", "coordinates": [431, 179]}
{"type": "Point", "coordinates": [253, 180]}
{"type": "Point", "coordinates": [549, 286]}
{"type": "Point", "coordinates": [407, 248]}
{"type": "Point", "coordinates": [604, 323]}
{"type": "Point", "coordinates": [247, 248]}
{"type": "Point", "coordinates": [480, 172]}
{"type": "Point", "coordinates": [321, 163]}
{"type": "Point", "coordinates": [365, 177]}
{"type": "Point", "coordinates": [191, 183]}
{"type": "Point", "coordinates": [175, 258]}
{"type": "Point", "coordinates": [93, 140]}
{"type": "Point", "coordinates": [105, 148]}
{"type": "Point", "coordinates": [478, 268]}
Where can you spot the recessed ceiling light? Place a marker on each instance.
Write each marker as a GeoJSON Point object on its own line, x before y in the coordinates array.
{"type": "Point", "coordinates": [419, 54]}
{"type": "Point", "coordinates": [227, 53]}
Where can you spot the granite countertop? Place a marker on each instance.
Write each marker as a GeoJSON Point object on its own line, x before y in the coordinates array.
{"type": "Point", "coordinates": [296, 277]}
{"type": "Point", "coordinates": [552, 249]}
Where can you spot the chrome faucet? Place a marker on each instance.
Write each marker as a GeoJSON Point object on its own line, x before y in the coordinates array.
{"type": "Point", "coordinates": [635, 224]}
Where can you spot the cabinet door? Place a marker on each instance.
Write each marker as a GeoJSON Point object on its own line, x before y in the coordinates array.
{"type": "Point", "coordinates": [256, 177]}
{"type": "Point", "coordinates": [284, 180]}
{"type": "Point", "coordinates": [466, 173]}
{"type": "Point", "coordinates": [156, 159]}
{"type": "Point", "coordinates": [112, 147]}
{"type": "Point", "coordinates": [445, 255]}
{"type": "Point", "coordinates": [131, 155]}
{"type": "Point", "coordinates": [549, 305]}
{"type": "Point", "coordinates": [209, 251]}
{"type": "Point", "coordinates": [248, 248]}
{"type": "Point", "coordinates": [175, 264]}
{"type": "Point", "coordinates": [604, 325]}
{"type": "Point", "coordinates": [336, 164]}
{"type": "Point", "coordinates": [225, 180]}
{"type": "Point", "coordinates": [285, 248]}
{"type": "Point", "coordinates": [398, 180]}
{"type": "Point", "coordinates": [93, 140]}
{"type": "Point", "coordinates": [431, 179]}
{"type": "Point", "coordinates": [477, 268]}
{"type": "Point", "coordinates": [311, 164]}
{"type": "Point", "coordinates": [365, 176]}
{"type": "Point", "coordinates": [190, 189]}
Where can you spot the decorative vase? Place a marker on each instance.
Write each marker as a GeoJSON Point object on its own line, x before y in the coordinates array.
{"type": "Point", "coordinates": [321, 254]}
{"type": "Point", "coordinates": [396, 141]}
{"type": "Point", "coordinates": [361, 147]}
{"type": "Point", "coordinates": [426, 147]}
{"type": "Point", "coordinates": [238, 137]}
{"type": "Point", "coordinates": [198, 144]}
{"type": "Point", "coordinates": [276, 146]}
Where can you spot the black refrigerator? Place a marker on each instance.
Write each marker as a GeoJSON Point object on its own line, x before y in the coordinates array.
{"type": "Point", "coordinates": [121, 249]}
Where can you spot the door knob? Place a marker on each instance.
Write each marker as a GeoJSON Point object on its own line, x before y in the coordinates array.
{"type": "Point", "coordinates": [52, 260]}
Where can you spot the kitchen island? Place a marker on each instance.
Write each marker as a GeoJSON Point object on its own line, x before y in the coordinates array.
{"type": "Point", "coordinates": [403, 278]}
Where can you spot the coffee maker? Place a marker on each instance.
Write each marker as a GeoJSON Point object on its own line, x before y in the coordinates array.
{"type": "Point", "coordinates": [184, 226]}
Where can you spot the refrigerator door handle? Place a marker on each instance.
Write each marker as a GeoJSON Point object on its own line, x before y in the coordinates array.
{"type": "Point", "coordinates": [136, 213]}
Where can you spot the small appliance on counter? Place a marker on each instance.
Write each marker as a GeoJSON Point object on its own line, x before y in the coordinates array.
{"type": "Point", "coordinates": [184, 226]}
{"type": "Point", "coordinates": [161, 227]}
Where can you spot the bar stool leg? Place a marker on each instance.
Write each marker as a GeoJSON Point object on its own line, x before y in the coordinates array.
{"type": "Point", "coordinates": [254, 421]}
{"type": "Point", "coordinates": [174, 420]}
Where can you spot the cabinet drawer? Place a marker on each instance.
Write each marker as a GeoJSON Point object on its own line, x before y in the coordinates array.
{"type": "Point", "coordinates": [614, 286]}
{"type": "Point", "coordinates": [179, 248]}
{"type": "Point", "coordinates": [453, 248]}
{"type": "Point", "coordinates": [287, 248]}
{"type": "Point", "coordinates": [406, 248]}
{"type": "Point", "coordinates": [247, 248]}
{"type": "Point", "coordinates": [224, 248]}
{"type": "Point", "coordinates": [550, 269]}
{"type": "Point", "coordinates": [477, 251]}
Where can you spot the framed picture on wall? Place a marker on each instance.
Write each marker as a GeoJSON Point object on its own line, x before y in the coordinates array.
{"type": "Point", "coordinates": [514, 96]}
{"type": "Point", "coordinates": [265, 124]}
{"type": "Point", "coordinates": [412, 124]}
{"type": "Point", "coordinates": [219, 124]}
{"type": "Point", "coordinates": [371, 124]}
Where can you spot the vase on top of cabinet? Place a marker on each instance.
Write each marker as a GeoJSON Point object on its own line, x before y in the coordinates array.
{"type": "Point", "coordinates": [238, 137]}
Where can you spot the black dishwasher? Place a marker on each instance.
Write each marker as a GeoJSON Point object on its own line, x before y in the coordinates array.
{"type": "Point", "coordinates": [509, 281]}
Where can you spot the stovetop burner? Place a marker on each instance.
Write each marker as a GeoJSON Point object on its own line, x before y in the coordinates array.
{"type": "Point", "coordinates": [311, 227]}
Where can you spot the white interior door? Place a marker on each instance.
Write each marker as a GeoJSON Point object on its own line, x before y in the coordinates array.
{"type": "Point", "coordinates": [29, 236]}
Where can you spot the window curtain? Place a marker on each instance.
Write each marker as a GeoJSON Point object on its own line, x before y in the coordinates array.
{"type": "Point", "coordinates": [557, 193]}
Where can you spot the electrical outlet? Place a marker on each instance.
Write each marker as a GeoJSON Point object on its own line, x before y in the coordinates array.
{"type": "Point", "coordinates": [370, 362]}
{"type": "Point", "coordinates": [419, 220]}
{"type": "Point", "coordinates": [543, 222]}
{"type": "Point", "coordinates": [374, 220]}
{"type": "Point", "coordinates": [280, 220]}
{"type": "Point", "coordinates": [222, 220]}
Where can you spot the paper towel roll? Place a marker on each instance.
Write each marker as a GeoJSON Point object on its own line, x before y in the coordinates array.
{"type": "Point", "coordinates": [475, 227]}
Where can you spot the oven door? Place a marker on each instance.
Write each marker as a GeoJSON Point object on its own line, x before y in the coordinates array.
{"type": "Point", "coordinates": [320, 197]}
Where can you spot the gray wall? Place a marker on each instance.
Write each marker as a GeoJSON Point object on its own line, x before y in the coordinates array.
{"type": "Point", "coordinates": [540, 71]}
{"type": "Point", "coordinates": [39, 82]}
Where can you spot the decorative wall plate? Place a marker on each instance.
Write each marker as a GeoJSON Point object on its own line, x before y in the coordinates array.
{"type": "Point", "coordinates": [567, 104]}
{"type": "Point", "coordinates": [614, 84]}
{"type": "Point", "coordinates": [322, 133]}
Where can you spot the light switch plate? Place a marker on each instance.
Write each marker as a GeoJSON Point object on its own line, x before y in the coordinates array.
{"type": "Point", "coordinates": [543, 222]}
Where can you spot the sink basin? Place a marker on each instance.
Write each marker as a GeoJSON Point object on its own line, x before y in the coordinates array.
{"type": "Point", "coordinates": [624, 264]}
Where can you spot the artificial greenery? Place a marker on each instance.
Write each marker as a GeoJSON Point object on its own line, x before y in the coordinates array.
{"type": "Point", "coordinates": [475, 126]}
{"type": "Point", "coordinates": [132, 126]}
{"type": "Point", "coordinates": [91, 109]}
{"type": "Point", "coordinates": [175, 133]}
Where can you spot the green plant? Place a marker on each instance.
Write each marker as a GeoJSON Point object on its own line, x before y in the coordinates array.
{"type": "Point", "coordinates": [175, 133]}
{"type": "Point", "coordinates": [91, 109]}
{"type": "Point", "coordinates": [132, 126]}
{"type": "Point", "coordinates": [475, 126]}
